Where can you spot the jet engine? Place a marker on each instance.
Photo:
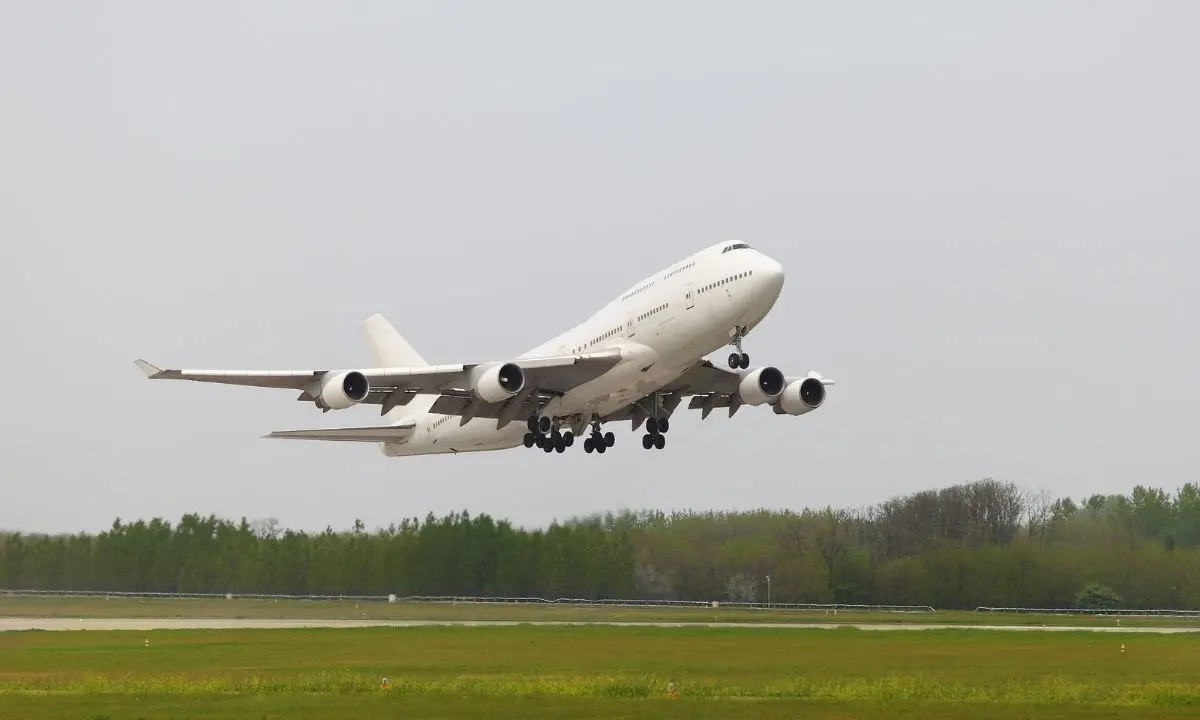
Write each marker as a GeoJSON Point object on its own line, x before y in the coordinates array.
{"type": "Point", "coordinates": [801, 396]}
{"type": "Point", "coordinates": [498, 382]}
{"type": "Point", "coordinates": [761, 385]}
{"type": "Point", "coordinates": [342, 390]}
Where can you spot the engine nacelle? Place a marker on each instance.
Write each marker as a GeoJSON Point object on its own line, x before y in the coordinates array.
{"type": "Point", "coordinates": [498, 382]}
{"type": "Point", "coordinates": [761, 386]}
{"type": "Point", "coordinates": [342, 390]}
{"type": "Point", "coordinates": [801, 396]}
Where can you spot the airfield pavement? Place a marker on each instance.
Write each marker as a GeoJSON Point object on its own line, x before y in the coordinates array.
{"type": "Point", "coordinates": [12, 624]}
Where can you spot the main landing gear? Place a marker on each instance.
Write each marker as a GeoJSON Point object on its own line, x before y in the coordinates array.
{"type": "Point", "coordinates": [598, 442]}
{"type": "Point", "coordinates": [544, 435]}
{"type": "Point", "coordinates": [655, 427]}
{"type": "Point", "coordinates": [739, 359]}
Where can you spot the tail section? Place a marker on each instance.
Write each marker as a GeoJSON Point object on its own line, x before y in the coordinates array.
{"type": "Point", "coordinates": [389, 349]}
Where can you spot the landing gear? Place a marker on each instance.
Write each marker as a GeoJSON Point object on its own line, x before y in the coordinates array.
{"type": "Point", "coordinates": [597, 441]}
{"type": "Point", "coordinates": [543, 435]}
{"type": "Point", "coordinates": [655, 428]}
{"type": "Point", "coordinates": [739, 359]}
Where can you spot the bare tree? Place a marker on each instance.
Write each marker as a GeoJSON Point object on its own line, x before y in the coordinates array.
{"type": "Point", "coordinates": [741, 588]}
{"type": "Point", "coordinates": [833, 536]}
{"type": "Point", "coordinates": [265, 528]}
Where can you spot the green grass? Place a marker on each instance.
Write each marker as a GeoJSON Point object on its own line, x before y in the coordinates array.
{"type": "Point", "coordinates": [73, 607]}
{"type": "Point", "coordinates": [607, 672]}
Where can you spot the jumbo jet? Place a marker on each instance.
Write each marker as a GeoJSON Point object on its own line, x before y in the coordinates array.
{"type": "Point", "coordinates": [635, 360]}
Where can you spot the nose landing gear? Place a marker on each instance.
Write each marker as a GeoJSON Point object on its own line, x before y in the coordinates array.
{"type": "Point", "coordinates": [739, 359]}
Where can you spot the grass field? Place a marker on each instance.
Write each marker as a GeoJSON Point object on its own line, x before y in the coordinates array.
{"type": "Point", "coordinates": [344, 610]}
{"type": "Point", "coordinates": [605, 672]}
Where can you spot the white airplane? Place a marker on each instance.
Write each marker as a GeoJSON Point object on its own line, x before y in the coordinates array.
{"type": "Point", "coordinates": [635, 359]}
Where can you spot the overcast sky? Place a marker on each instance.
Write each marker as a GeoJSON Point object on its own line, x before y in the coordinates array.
{"type": "Point", "coordinates": [988, 213]}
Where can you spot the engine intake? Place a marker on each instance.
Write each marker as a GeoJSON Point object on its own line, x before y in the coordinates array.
{"type": "Point", "coordinates": [761, 386]}
{"type": "Point", "coordinates": [802, 396]}
{"type": "Point", "coordinates": [498, 382]}
{"type": "Point", "coordinates": [343, 390]}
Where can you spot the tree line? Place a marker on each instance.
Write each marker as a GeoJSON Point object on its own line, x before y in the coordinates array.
{"type": "Point", "coordinates": [980, 543]}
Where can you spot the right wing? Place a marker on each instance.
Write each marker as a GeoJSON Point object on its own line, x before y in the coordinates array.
{"type": "Point", "coordinates": [709, 387]}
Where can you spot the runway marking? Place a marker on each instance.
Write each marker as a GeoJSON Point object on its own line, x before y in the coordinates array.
{"type": "Point", "coordinates": [61, 624]}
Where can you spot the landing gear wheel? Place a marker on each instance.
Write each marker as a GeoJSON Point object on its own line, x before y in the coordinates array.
{"type": "Point", "coordinates": [544, 425]}
{"type": "Point", "coordinates": [601, 447]}
{"type": "Point", "coordinates": [745, 361]}
{"type": "Point", "coordinates": [609, 439]}
{"type": "Point", "coordinates": [547, 445]}
{"type": "Point", "coordinates": [663, 425]}
{"type": "Point", "coordinates": [735, 361]}
{"type": "Point", "coordinates": [529, 439]}
{"type": "Point", "coordinates": [659, 442]}
{"type": "Point", "coordinates": [589, 445]}
{"type": "Point", "coordinates": [532, 424]}
{"type": "Point", "coordinates": [560, 445]}
{"type": "Point", "coordinates": [647, 441]}
{"type": "Point", "coordinates": [652, 426]}
{"type": "Point", "coordinates": [569, 438]}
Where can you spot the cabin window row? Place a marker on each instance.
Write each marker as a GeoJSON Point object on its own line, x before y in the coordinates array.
{"type": "Point", "coordinates": [631, 293]}
{"type": "Point", "coordinates": [726, 281]}
{"type": "Point", "coordinates": [678, 270]}
{"type": "Point", "coordinates": [655, 311]}
{"type": "Point", "coordinates": [598, 339]}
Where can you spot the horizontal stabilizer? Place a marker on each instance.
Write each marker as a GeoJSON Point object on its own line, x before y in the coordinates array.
{"type": "Point", "coordinates": [381, 433]}
{"type": "Point", "coordinates": [147, 369]}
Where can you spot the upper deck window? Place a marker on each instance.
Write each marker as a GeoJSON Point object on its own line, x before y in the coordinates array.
{"type": "Point", "coordinates": [736, 246]}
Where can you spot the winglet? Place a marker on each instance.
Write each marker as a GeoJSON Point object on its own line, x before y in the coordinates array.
{"type": "Point", "coordinates": [147, 369]}
{"type": "Point", "coordinates": [824, 380]}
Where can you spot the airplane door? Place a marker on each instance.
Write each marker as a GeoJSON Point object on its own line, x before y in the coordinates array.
{"type": "Point", "coordinates": [630, 326]}
{"type": "Point", "coordinates": [691, 297]}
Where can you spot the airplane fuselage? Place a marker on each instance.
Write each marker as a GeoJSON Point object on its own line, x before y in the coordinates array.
{"type": "Point", "coordinates": [661, 326]}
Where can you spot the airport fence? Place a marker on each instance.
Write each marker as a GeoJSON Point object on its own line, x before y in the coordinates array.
{"type": "Point", "coordinates": [601, 603]}
{"type": "Point", "coordinates": [1101, 612]}
{"type": "Point", "coordinates": [473, 600]}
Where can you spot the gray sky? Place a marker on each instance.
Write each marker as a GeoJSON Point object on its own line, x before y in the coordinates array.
{"type": "Point", "coordinates": [988, 214]}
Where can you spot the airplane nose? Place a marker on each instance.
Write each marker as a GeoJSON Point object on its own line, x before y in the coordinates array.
{"type": "Point", "coordinates": [771, 274]}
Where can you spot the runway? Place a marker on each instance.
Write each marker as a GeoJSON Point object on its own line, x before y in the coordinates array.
{"type": "Point", "coordinates": [147, 624]}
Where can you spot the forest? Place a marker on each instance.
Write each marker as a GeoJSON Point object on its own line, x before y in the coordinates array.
{"type": "Point", "coordinates": [981, 543]}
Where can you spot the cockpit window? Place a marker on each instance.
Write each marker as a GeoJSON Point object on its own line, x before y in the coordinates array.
{"type": "Point", "coordinates": [736, 246]}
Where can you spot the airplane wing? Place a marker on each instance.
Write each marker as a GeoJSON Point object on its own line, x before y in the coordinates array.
{"type": "Point", "coordinates": [709, 387]}
{"type": "Point", "coordinates": [383, 433]}
{"type": "Point", "coordinates": [391, 387]}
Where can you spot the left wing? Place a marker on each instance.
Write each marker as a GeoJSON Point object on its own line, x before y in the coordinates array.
{"type": "Point", "coordinates": [492, 389]}
{"type": "Point", "coordinates": [384, 433]}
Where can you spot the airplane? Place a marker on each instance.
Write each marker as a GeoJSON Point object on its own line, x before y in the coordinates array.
{"type": "Point", "coordinates": [636, 359]}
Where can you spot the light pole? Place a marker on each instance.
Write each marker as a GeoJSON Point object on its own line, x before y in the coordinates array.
{"type": "Point", "coordinates": [768, 591]}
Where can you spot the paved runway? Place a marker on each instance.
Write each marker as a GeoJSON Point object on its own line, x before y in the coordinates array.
{"type": "Point", "coordinates": [14, 624]}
